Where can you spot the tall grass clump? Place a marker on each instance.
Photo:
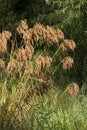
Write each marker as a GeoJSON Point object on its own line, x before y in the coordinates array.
{"type": "Point", "coordinates": [29, 95]}
{"type": "Point", "coordinates": [37, 50]}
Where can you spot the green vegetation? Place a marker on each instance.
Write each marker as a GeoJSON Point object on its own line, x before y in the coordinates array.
{"type": "Point", "coordinates": [43, 65]}
{"type": "Point", "coordinates": [52, 111]}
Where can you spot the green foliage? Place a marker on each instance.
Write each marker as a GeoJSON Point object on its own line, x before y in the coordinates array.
{"type": "Point", "coordinates": [30, 101]}
{"type": "Point", "coordinates": [64, 113]}
{"type": "Point", "coordinates": [11, 12]}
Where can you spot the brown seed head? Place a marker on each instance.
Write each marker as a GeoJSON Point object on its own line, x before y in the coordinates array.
{"type": "Point", "coordinates": [67, 62]}
{"type": "Point", "coordinates": [6, 34]}
{"type": "Point", "coordinates": [51, 36]}
{"type": "Point", "coordinates": [60, 34]}
{"type": "Point", "coordinates": [48, 33]}
{"type": "Point", "coordinates": [62, 47]}
{"type": "Point", "coordinates": [15, 66]}
{"type": "Point", "coordinates": [68, 44]}
{"type": "Point", "coordinates": [35, 36]}
{"type": "Point", "coordinates": [29, 50]}
{"type": "Point", "coordinates": [27, 36]}
{"type": "Point", "coordinates": [22, 28]}
{"type": "Point", "coordinates": [38, 29]}
{"type": "Point", "coordinates": [24, 24]}
{"type": "Point", "coordinates": [3, 46]}
{"type": "Point", "coordinates": [21, 56]}
{"type": "Point", "coordinates": [73, 90]}
{"type": "Point", "coordinates": [4, 37]}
